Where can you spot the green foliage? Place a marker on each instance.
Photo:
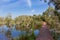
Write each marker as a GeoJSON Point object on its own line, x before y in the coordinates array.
{"type": "Point", "coordinates": [28, 37]}
{"type": "Point", "coordinates": [8, 21]}
{"type": "Point", "coordinates": [1, 21]}
{"type": "Point", "coordinates": [31, 23]}
{"type": "Point", "coordinates": [56, 3]}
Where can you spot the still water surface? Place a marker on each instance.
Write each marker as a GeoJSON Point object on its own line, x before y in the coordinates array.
{"type": "Point", "coordinates": [14, 32]}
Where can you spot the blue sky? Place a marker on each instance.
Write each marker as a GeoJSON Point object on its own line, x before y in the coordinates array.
{"type": "Point", "coordinates": [22, 7]}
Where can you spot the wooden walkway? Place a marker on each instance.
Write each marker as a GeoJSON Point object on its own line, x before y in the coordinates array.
{"type": "Point", "coordinates": [44, 34]}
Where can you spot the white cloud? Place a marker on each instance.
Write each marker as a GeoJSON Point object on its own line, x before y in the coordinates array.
{"type": "Point", "coordinates": [33, 10]}
{"type": "Point", "coordinates": [29, 3]}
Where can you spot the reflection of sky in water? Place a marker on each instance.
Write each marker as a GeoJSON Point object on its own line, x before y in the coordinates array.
{"type": "Point", "coordinates": [15, 33]}
{"type": "Point", "coordinates": [36, 32]}
{"type": "Point", "coordinates": [3, 28]}
{"type": "Point", "coordinates": [3, 37]}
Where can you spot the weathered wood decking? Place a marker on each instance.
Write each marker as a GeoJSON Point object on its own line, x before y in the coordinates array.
{"type": "Point", "coordinates": [44, 34]}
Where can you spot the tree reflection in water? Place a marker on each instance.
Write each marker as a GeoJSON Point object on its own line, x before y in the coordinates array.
{"type": "Point", "coordinates": [8, 34]}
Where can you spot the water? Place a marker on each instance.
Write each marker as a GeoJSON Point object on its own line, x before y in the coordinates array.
{"type": "Point", "coordinates": [14, 32]}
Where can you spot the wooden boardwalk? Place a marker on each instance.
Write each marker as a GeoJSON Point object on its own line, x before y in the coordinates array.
{"type": "Point", "coordinates": [44, 34]}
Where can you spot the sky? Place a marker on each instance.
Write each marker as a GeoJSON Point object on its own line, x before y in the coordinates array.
{"type": "Point", "coordinates": [22, 7]}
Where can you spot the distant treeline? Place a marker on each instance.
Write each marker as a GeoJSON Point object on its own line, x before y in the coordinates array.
{"type": "Point", "coordinates": [24, 22]}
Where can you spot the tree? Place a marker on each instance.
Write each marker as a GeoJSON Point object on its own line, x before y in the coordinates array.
{"type": "Point", "coordinates": [1, 21]}
{"type": "Point", "coordinates": [56, 3]}
{"type": "Point", "coordinates": [23, 22]}
{"type": "Point", "coordinates": [36, 21]}
{"type": "Point", "coordinates": [52, 18]}
{"type": "Point", "coordinates": [9, 21]}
